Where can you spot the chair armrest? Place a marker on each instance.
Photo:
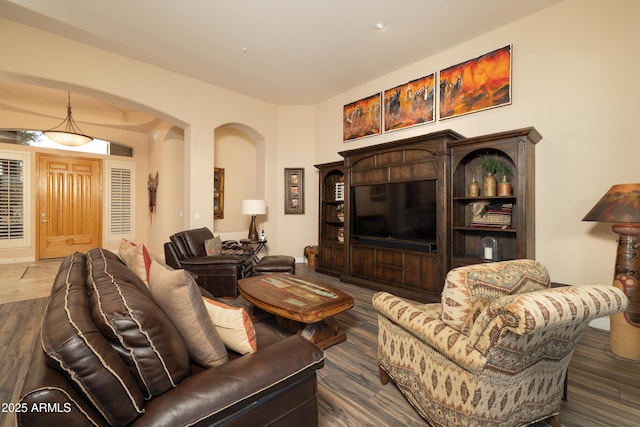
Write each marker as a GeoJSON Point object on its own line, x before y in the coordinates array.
{"type": "Point", "coordinates": [533, 312]}
{"type": "Point", "coordinates": [423, 321]}
{"type": "Point", "coordinates": [213, 394]}
{"type": "Point", "coordinates": [171, 257]}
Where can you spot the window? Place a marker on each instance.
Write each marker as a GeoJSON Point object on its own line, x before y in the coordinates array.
{"type": "Point", "coordinates": [13, 210]}
{"type": "Point", "coordinates": [35, 138]}
{"type": "Point", "coordinates": [120, 209]}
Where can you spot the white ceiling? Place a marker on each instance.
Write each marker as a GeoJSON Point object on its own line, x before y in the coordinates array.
{"type": "Point", "coordinates": [297, 51]}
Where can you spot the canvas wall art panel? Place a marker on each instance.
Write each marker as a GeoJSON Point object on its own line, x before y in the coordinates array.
{"type": "Point", "coordinates": [362, 118]}
{"type": "Point", "coordinates": [410, 104]}
{"type": "Point", "coordinates": [477, 84]}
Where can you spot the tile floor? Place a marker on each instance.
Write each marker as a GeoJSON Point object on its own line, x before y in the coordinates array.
{"type": "Point", "coordinates": [27, 280]}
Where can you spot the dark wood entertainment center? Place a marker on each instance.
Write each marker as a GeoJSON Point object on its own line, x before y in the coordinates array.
{"type": "Point", "coordinates": [411, 268]}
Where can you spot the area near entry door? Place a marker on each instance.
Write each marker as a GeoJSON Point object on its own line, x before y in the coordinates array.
{"type": "Point", "coordinates": [69, 214]}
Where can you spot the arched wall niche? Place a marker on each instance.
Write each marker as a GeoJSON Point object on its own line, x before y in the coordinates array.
{"type": "Point", "coordinates": [240, 150]}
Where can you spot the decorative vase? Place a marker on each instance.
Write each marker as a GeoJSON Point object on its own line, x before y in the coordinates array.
{"type": "Point", "coordinates": [489, 185]}
{"type": "Point", "coordinates": [504, 188]}
{"type": "Point", "coordinates": [474, 188]}
{"type": "Point", "coordinates": [341, 234]}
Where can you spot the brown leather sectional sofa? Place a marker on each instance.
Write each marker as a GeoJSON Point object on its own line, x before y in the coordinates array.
{"type": "Point", "coordinates": [109, 355]}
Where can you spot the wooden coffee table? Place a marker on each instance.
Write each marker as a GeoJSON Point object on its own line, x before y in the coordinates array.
{"type": "Point", "coordinates": [307, 303]}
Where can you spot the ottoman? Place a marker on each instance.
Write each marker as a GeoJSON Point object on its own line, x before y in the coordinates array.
{"type": "Point", "coordinates": [275, 264]}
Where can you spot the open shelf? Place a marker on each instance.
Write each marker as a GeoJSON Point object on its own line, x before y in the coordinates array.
{"type": "Point", "coordinates": [515, 239]}
{"type": "Point", "coordinates": [330, 250]}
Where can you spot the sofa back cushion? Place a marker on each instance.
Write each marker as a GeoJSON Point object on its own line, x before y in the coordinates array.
{"type": "Point", "coordinates": [190, 243]}
{"type": "Point", "coordinates": [468, 290]}
{"type": "Point", "coordinates": [141, 333]}
{"type": "Point", "coordinates": [72, 344]}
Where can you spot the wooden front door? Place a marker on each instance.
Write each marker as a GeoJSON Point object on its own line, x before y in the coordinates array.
{"type": "Point", "coordinates": [69, 205]}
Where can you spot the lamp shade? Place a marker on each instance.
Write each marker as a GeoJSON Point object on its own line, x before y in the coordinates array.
{"type": "Point", "coordinates": [68, 138]}
{"type": "Point", "coordinates": [254, 207]}
{"type": "Point", "coordinates": [621, 204]}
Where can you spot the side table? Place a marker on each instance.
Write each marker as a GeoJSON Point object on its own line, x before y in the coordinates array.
{"type": "Point", "coordinates": [259, 245]}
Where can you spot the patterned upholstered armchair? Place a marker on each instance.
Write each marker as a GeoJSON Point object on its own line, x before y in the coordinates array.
{"type": "Point", "coordinates": [495, 351]}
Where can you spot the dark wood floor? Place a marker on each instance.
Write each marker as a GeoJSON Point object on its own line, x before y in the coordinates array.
{"type": "Point", "coordinates": [603, 391]}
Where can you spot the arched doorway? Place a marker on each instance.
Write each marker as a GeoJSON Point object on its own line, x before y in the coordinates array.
{"type": "Point", "coordinates": [240, 151]}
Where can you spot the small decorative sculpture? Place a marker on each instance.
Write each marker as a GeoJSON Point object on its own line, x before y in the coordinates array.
{"type": "Point", "coordinates": [152, 187]}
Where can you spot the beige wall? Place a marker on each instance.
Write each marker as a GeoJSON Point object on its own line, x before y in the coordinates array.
{"type": "Point", "coordinates": [296, 133]}
{"type": "Point", "coordinates": [237, 153]}
{"type": "Point", "coordinates": [573, 79]}
{"type": "Point", "coordinates": [196, 107]}
{"type": "Point", "coordinates": [571, 64]}
{"type": "Point", "coordinates": [166, 157]}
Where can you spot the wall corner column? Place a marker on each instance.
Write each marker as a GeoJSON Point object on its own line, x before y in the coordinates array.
{"type": "Point", "coordinates": [198, 177]}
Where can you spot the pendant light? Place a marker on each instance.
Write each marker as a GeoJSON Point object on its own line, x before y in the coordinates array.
{"type": "Point", "coordinates": [68, 132]}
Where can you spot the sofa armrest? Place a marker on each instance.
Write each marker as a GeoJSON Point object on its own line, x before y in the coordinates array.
{"type": "Point", "coordinates": [534, 312]}
{"type": "Point", "coordinates": [424, 322]}
{"type": "Point", "coordinates": [47, 387]}
{"type": "Point", "coordinates": [241, 384]}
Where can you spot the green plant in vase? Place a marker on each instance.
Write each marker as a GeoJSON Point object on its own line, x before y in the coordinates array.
{"type": "Point", "coordinates": [496, 166]}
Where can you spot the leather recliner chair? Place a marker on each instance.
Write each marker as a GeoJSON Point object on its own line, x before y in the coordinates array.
{"type": "Point", "coordinates": [218, 274]}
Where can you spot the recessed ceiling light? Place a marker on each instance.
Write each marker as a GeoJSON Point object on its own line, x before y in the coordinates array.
{"type": "Point", "coordinates": [379, 25]}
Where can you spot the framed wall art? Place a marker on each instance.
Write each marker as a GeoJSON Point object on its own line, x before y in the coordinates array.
{"type": "Point", "coordinates": [475, 85]}
{"type": "Point", "coordinates": [410, 104]}
{"type": "Point", "coordinates": [293, 191]}
{"type": "Point", "coordinates": [362, 118]}
{"type": "Point", "coordinates": [218, 193]}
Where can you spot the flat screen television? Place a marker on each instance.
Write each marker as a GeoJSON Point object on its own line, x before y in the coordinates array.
{"type": "Point", "coordinates": [403, 211]}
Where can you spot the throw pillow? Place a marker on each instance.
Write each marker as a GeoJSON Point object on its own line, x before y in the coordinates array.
{"type": "Point", "coordinates": [213, 246]}
{"type": "Point", "coordinates": [136, 257]}
{"type": "Point", "coordinates": [233, 325]}
{"type": "Point", "coordinates": [177, 293]}
{"type": "Point", "coordinates": [233, 247]}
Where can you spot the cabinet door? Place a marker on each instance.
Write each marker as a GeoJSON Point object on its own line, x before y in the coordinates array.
{"type": "Point", "coordinates": [388, 266]}
{"type": "Point", "coordinates": [338, 258]}
{"type": "Point", "coordinates": [362, 261]}
{"type": "Point", "coordinates": [420, 271]}
{"type": "Point", "coordinates": [325, 256]}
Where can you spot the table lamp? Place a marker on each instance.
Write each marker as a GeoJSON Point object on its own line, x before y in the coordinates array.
{"type": "Point", "coordinates": [253, 208]}
{"type": "Point", "coordinates": [621, 205]}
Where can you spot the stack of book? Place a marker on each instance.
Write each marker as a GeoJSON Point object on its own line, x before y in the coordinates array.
{"type": "Point", "coordinates": [493, 216]}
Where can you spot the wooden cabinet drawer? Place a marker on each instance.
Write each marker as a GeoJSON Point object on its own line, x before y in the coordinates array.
{"type": "Point", "coordinates": [389, 274]}
{"type": "Point", "coordinates": [389, 258]}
